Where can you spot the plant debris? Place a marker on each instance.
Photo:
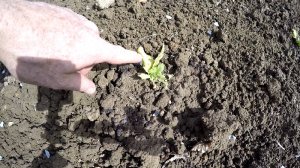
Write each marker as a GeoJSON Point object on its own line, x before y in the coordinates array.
{"type": "Point", "coordinates": [176, 157]}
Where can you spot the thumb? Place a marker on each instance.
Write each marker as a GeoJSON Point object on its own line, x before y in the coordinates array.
{"type": "Point", "coordinates": [115, 54]}
{"type": "Point", "coordinates": [80, 83]}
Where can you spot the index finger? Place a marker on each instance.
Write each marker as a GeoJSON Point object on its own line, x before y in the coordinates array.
{"type": "Point", "coordinates": [115, 54]}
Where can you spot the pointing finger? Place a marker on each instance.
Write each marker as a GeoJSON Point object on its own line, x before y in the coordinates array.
{"type": "Point", "coordinates": [114, 54]}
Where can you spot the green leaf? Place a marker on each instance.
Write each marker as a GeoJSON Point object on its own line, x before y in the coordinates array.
{"type": "Point", "coordinates": [298, 43]}
{"type": "Point", "coordinates": [147, 60]}
{"type": "Point", "coordinates": [161, 67]}
{"type": "Point", "coordinates": [144, 76]}
{"type": "Point", "coordinates": [159, 57]}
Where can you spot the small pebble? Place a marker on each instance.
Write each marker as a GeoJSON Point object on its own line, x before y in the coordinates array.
{"type": "Point", "coordinates": [21, 85]}
{"type": "Point", "coordinates": [47, 154]}
{"type": "Point", "coordinates": [232, 138]}
{"type": "Point", "coordinates": [142, 1]}
{"type": "Point", "coordinates": [3, 71]}
{"type": "Point", "coordinates": [209, 32]}
{"type": "Point", "coordinates": [155, 113]}
{"type": "Point", "coordinates": [10, 124]}
{"type": "Point", "coordinates": [169, 17]}
{"type": "Point", "coordinates": [216, 24]}
{"type": "Point", "coordinates": [1, 124]}
{"type": "Point", "coordinates": [1, 158]}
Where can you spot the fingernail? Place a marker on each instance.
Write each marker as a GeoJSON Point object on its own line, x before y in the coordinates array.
{"type": "Point", "coordinates": [91, 90]}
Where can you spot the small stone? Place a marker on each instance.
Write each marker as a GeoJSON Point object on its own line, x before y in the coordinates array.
{"type": "Point", "coordinates": [47, 154]}
{"type": "Point", "coordinates": [142, 1]}
{"type": "Point", "coordinates": [1, 158]}
{"type": "Point", "coordinates": [155, 113]}
{"type": "Point", "coordinates": [1, 124]}
{"type": "Point", "coordinates": [102, 4]}
{"type": "Point", "coordinates": [169, 17]}
{"type": "Point", "coordinates": [232, 138]}
{"type": "Point", "coordinates": [209, 32]}
{"type": "Point", "coordinates": [216, 24]}
{"type": "Point", "coordinates": [10, 124]}
{"type": "Point", "coordinates": [93, 115]}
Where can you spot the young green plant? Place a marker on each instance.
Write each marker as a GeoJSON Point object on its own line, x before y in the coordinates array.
{"type": "Point", "coordinates": [296, 37]}
{"type": "Point", "coordinates": [153, 68]}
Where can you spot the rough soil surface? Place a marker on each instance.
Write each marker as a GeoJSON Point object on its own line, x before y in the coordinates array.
{"type": "Point", "coordinates": [233, 101]}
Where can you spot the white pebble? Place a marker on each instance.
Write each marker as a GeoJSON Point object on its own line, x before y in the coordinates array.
{"type": "Point", "coordinates": [168, 17]}
{"type": "Point", "coordinates": [1, 124]}
{"type": "Point", "coordinates": [10, 124]}
{"type": "Point", "coordinates": [232, 138]}
{"type": "Point", "coordinates": [216, 24]}
{"type": "Point", "coordinates": [142, 1]}
{"type": "Point", "coordinates": [209, 32]}
{"type": "Point", "coordinates": [105, 3]}
{"type": "Point", "coordinates": [47, 153]}
{"type": "Point", "coordinates": [1, 158]}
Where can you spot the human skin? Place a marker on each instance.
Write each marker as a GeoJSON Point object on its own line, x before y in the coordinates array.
{"type": "Point", "coordinates": [54, 47]}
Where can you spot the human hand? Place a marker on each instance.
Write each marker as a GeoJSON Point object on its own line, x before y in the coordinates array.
{"type": "Point", "coordinates": [51, 46]}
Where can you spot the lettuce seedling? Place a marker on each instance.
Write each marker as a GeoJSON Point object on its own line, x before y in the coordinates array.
{"type": "Point", "coordinates": [296, 37]}
{"type": "Point", "coordinates": [154, 69]}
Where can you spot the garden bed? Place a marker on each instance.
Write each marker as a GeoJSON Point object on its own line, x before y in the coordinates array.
{"type": "Point", "coordinates": [233, 100]}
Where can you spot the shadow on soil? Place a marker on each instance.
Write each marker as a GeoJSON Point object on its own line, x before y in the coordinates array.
{"type": "Point", "coordinates": [139, 138]}
{"type": "Point", "coordinates": [52, 101]}
{"type": "Point", "coordinates": [131, 133]}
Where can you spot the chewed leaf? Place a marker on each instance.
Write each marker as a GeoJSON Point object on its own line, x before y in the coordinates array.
{"type": "Point", "coordinates": [144, 76]}
{"type": "Point", "coordinates": [147, 60]}
{"type": "Point", "coordinates": [159, 57]}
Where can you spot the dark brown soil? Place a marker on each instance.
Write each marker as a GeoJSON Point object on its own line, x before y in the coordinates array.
{"type": "Point", "coordinates": [233, 101]}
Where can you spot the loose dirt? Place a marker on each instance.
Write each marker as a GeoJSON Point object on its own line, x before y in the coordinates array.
{"type": "Point", "coordinates": [233, 101]}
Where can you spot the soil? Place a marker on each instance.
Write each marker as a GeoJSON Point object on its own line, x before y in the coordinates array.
{"type": "Point", "coordinates": [233, 101]}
